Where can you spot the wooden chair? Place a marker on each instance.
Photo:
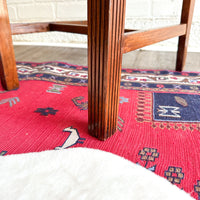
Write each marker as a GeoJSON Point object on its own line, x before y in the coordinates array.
{"type": "Point", "coordinates": [107, 41]}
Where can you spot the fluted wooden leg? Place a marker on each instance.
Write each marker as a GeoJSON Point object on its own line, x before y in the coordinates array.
{"type": "Point", "coordinates": [8, 71]}
{"type": "Point", "coordinates": [106, 20]}
{"type": "Point", "coordinates": [186, 18]}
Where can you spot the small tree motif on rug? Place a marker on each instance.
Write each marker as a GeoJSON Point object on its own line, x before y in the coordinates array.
{"type": "Point", "coordinates": [57, 89]}
{"type": "Point", "coordinates": [174, 175]}
{"type": "Point", "coordinates": [120, 124]}
{"type": "Point", "coordinates": [78, 101]}
{"type": "Point", "coordinates": [123, 100]}
{"type": "Point", "coordinates": [11, 101]}
{"type": "Point", "coordinates": [148, 155]}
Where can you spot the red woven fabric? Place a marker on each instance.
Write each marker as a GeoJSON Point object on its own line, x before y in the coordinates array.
{"type": "Point", "coordinates": [42, 115]}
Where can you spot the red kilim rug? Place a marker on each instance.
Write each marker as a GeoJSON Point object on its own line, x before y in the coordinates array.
{"type": "Point", "coordinates": [158, 124]}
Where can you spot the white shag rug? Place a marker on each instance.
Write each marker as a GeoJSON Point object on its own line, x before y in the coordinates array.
{"type": "Point", "coordinates": [80, 174]}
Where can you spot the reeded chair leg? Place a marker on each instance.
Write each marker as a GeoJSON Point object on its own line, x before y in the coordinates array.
{"type": "Point", "coordinates": [8, 71]}
{"type": "Point", "coordinates": [105, 32]}
{"type": "Point", "coordinates": [186, 18]}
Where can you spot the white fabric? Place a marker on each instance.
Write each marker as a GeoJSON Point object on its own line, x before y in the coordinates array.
{"type": "Point", "coordinates": [80, 174]}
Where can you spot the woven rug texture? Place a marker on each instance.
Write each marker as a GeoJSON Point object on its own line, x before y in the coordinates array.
{"type": "Point", "coordinates": [158, 122]}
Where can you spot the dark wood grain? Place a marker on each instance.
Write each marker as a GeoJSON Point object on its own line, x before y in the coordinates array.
{"type": "Point", "coordinates": [74, 28]}
{"type": "Point", "coordinates": [139, 39]}
{"type": "Point", "coordinates": [8, 71]}
{"type": "Point", "coordinates": [105, 32]}
{"type": "Point", "coordinates": [24, 28]}
{"type": "Point", "coordinates": [83, 22]}
{"type": "Point", "coordinates": [70, 28]}
{"type": "Point", "coordinates": [186, 18]}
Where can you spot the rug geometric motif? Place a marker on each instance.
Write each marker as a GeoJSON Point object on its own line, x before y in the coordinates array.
{"type": "Point", "coordinates": [148, 156]}
{"type": "Point", "coordinates": [169, 110]}
{"type": "Point", "coordinates": [176, 107]}
{"type": "Point", "coordinates": [174, 175]}
{"type": "Point", "coordinates": [147, 80]}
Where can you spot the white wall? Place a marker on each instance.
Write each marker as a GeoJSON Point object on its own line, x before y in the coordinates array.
{"type": "Point", "coordinates": [141, 14]}
{"type": "Point", "coordinates": [46, 10]}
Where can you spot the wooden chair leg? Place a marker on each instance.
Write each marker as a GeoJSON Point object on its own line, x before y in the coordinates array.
{"type": "Point", "coordinates": [8, 71]}
{"type": "Point", "coordinates": [186, 18]}
{"type": "Point", "coordinates": [105, 31]}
